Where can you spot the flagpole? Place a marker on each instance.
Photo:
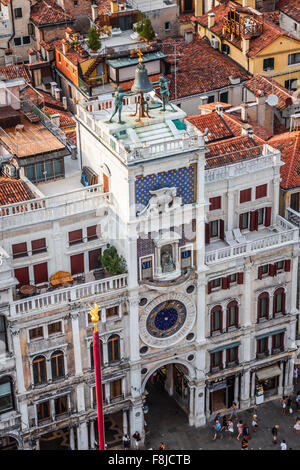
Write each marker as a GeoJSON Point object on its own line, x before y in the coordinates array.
{"type": "Point", "coordinates": [97, 364]}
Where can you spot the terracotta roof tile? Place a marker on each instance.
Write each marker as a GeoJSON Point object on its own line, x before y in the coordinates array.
{"type": "Point", "coordinates": [13, 190]}
{"type": "Point", "coordinates": [269, 86]}
{"type": "Point", "coordinates": [200, 67]}
{"type": "Point", "coordinates": [14, 71]}
{"type": "Point", "coordinates": [46, 12]}
{"type": "Point", "coordinates": [232, 150]}
{"type": "Point", "coordinates": [289, 146]}
{"type": "Point", "coordinates": [65, 117]}
{"type": "Point", "coordinates": [290, 8]}
{"type": "Point", "coordinates": [217, 128]}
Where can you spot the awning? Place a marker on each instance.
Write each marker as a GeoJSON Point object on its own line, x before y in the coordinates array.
{"type": "Point", "coordinates": [268, 372]}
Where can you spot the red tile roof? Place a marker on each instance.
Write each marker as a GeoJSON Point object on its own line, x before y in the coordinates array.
{"type": "Point", "coordinates": [271, 31]}
{"type": "Point", "coordinates": [290, 8]}
{"type": "Point", "coordinates": [12, 191]}
{"type": "Point", "coordinates": [64, 116]}
{"type": "Point", "coordinates": [14, 71]}
{"type": "Point", "coordinates": [127, 85]}
{"type": "Point", "coordinates": [232, 150]}
{"type": "Point", "coordinates": [236, 124]}
{"type": "Point", "coordinates": [269, 86]}
{"type": "Point", "coordinates": [289, 146]}
{"type": "Point", "coordinates": [46, 12]}
{"type": "Point", "coordinates": [200, 67]}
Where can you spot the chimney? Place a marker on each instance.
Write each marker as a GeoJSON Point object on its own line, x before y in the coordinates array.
{"type": "Point", "coordinates": [55, 118]}
{"type": "Point", "coordinates": [203, 99]}
{"type": "Point", "coordinates": [8, 57]}
{"type": "Point", "coordinates": [244, 112]}
{"type": "Point", "coordinates": [188, 35]}
{"type": "Point", "coordinates": [57, 93]}
{"type": "Point", "coordinates": [245, 45]}
{"type": "Point", "coordinates": [219, 109]}
{"type": "Point", "coordinates": [94, 12]}
{"type": "Point", "coordinates": [53, 86]}
{"type": "Point", "coordinates": [114, 6]}
{"type": "Point", "coordinates": [246, 129]}
{"type": "Point", "coordinates": [261, 108]}
{"type": "Point", "coordinates": [211, 20]}
{"type": "Point", "coordinates": [64, 46]}
{"type": "Point", "coordinates": [199, 8]}
{"type": "Point", "coordinates": [32, 55]}
{"type": "Point", "coordinates": [65, 102]}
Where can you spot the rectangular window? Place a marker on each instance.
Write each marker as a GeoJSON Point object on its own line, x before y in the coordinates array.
{"type": "Point", "coordinates": [77, 264]}
{"type": "Point", "coordinates": [263, 307]}
{"type": "Point", "coordinates": [268, 64]}
{"type": "Point", "coordinates": [38, 246]}
{"type": "Point", "coordinates": [75, 237]}
{"type": "Point", "coordinates": [215, 203]}
{"type": "Point", "coordinates": [232, 316]}
{"type": "Point", "coordinates": [216, 283]}
{"type": "Point", "coordinates": [94, 262]}
{"type": "Point", "coordinates": [279, 266]}
{"type": "Point", "coordinates": [43, 410]}
{"type": "Point", "coordinates": [18, 12]}
{"type": "Point", "coordinates": [294, 58]}
{"type": "Point", "coordinates": [22, 274]}
{"type": "Point", "coordinates": [277, 340]}
{"type": "Point", "coordinates": [19, 250]}
{"type": "Point", "coordinates": [291, 84]}
{"type": "Point", "coordinates": [54, 328]}
{"type": "Point", "coordinates": [278, 306]}
{"type": "Point", "coordinates": [214, 229]}
{"type": "Point", "coordinates": [112, 311]}
{"type": "Point", "coordinates": [224, 97]}
{"type": "Point", "coordinates": [36, 333]}
{"type": "Point", "coordinates": [216, 359]}
{"type": "Point", "coordinates": [261, 191]}
{"type": "Point", "coordinates": [18, 41]}
{"type": "Point", "coordinates": [146, 266]}
{"type": "Point", "coordinates": [26, 40]}
{"type": "Point", "coordinates": [186, 257]}
{"type": "Point", "coordinates": [262, 345]}
{"type": "Point", "coordinates": [94, 395]}
{"type": "Point", "coordinates": [167, 26]}
{"type": "Point", "coordinates": [245, 195]}
{"type": "Point", "coordinates": [116, 388]}
{"type": "Point", "coordinates": [6, 399]}
{"type": "Point", "coordinates": [92, 233]}
{"type": "Point", "coordinates": [232, 354]}
{"type": "Point", "coordinates": [233, 278]}
{"type": "Point", "coordinates": [3, 335]}
{"type": "Point", "coordinates": [40, 272]}
{"type": "Point", "coordinates": [261, 216]}
{"type": "Point", "coordinates": [244, 221]}
{"type": "Point", "coordinates": [211, 99]}
{"type": "Point", "coordinates": [61, 405]}
{"type": "Point", "coordinates": [225, 49]}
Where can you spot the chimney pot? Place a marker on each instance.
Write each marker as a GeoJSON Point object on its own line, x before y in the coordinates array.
{"type": "Point", "coordinates": [94, 12]}
{"type": "Point", "coordinates": [211, 20]}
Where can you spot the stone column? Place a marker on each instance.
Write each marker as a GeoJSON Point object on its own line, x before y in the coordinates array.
{"type": "Point", "coordinates": [76, 342]}
{"type": "Point", "coordinates": [72, 439]}
{"type": "Point", "coordinates": [230, 210]}
{"type": "Point", "coordinates": [236, 389]}
{"type": "Point", "coordinates": [252, 387]}
{"type": "Point", "coordinates": [191, 405]}
{"type": "Point", "coordinates": [134, 328]}
{"type": "Point", "coordinates": [275, 202]}
{"type": "Point", "coordinates": [245, 390]}
{"type": "Point", "coordinates": [289, 384]}
{"type": "Point", "coordinates": [82, 437]}
{"type": "Point", "coordinates": [19, 362]}
{"type": "Point", "coordinates": [280, 380]}
{"type": "Point", "coordinates": [207, 410]}
{"type": "Point", "coordinates": [92, 434]}
{"type": "Point", "coordinates": [201, 308]}
{"type": "Point", "coordinates": [137, 419]}
{"type": "Point", "coordinates": [294, 285]}
{"type": "Point", "coordinates": [199, 405]}
{"type": "Point", "coordinates": [125, 422]}
{"type": "Point", "coordinates": [246, 320]}
{"type": "Point", "coordinates": [169, 383]}
{"type": "Point", "coordinates": [80, 397]}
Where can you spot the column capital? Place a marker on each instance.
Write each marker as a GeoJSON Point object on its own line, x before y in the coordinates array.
{"type": "Point", "coordinates": [15, 331]}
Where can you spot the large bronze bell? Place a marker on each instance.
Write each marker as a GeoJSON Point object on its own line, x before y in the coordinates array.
{"type": "Point", "coordinates": [141, 82]}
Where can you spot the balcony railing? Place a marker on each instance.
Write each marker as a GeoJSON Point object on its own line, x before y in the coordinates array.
{"type": "Point", "coordinates": [58, 297]}
{"type": "Point", "coordinates": [288, 234]}
{"type": "Point", "coordinates": [293, 216]}
{"type": "Point", "coordinates": [52, 207]}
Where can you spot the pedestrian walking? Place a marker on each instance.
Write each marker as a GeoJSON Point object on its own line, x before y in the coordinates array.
{"type": "Point", "coordinates": [245, 432]}
{"type": "Point", "coordinates": [283, 445]}
{"type": "Point", "coordinates": [283, 405]}
{"type": "Point", "coordinates": [245, 444]}
{"type": "Point", "coordinates": [240, 429]}
{"type": "Point", "coordinates": [137, 437]}
{"type": "Point", "coordinates": [233, 411]}
{"type": "Point", "coordinates": [230, 428]}
{"type": "Point", "coordinates": [289, 406]}
{"type": "Point", "coordinates": [254, 423]}
{"type": "Point", "coordinates": [224, 424]}
{"type": "Point", "coordinates": [162, 446]}
{"type": "Point", "coordinates": [274, 433]}
{"type": "Point", "coordinates": [298, 400]}
{"type": "Point", "coordinates": [295, 375]}
{"type": "Point", "coordinates": [218, 430]}
{"type": "Point", "coordinates": [126, 442]}
{"type": "Point", "coordinates": [297, 426]}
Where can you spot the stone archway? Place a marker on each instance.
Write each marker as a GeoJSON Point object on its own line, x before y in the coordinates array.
{"type": "Point", "coordinates": [10, 442]}
{"type": "Point", "coordinates": [189, 367]}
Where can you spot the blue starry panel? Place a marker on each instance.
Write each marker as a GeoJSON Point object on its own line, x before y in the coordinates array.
{"type": "Point", "coordinates": [184, 179]}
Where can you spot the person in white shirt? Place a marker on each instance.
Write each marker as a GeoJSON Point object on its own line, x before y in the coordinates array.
{"type": "Point", "coordinates": [283, 445]}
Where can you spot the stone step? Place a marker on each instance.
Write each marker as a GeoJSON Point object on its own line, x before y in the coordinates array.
{"type": "Point", "coordinates": [161, 136]}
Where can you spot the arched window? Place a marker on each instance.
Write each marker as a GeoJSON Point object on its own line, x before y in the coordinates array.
{"type": "Point", "coordinates": [279, 301]}
{"type": "Point", "coordinates": [232, 314]}
{"type": "Point", "coordinates": [39, 370]}
{"type": "Point", "coordinates": [113, 346]}
{"type": "Point", "coordinates": [92, 354]}
{"type": "Point", "coordinates": [57, 365]}
{"type": "Point", "coordinates": [263, 306]}
{"type": "Point", "coordinates": [6, 395]}
{"type": "Point", "coordinates": [3, 335]}
{"type": "Point", "coordinates": [216, 320]}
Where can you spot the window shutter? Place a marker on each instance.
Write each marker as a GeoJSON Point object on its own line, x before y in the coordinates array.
{"type": "Point", "coordinates": [241, 222]}
{"type": "Point", "coordinates": [283, 302]}
{"type": "Point", "coordinates": [22, 274]}
{"type": "Point", "coordinates": [20, 249]}
{"type": "Point", "coordinates": [255, 220]}
{"type": "Point", "coordinates": [287, 265]}
{"type": "Point", "coordinates": [40, 273]}
{"type": "Point", "coordinates": [77, 264]}
{"type": "Point", "coordinates": [272, 270]}
{"type": "Point", "coordinates": [258, 307]}
{"type": "Point", "coordinates": [245, 195]}
{"type": "Point", "coordinates": [209, 287]}
{"type": "Point", "coordinates": [37, 245]}
{"type": "Point", "coordinates": [268, 216]}
{"type": "Point", "coordinates": [222, 229]}
{"type": "Point", "coordinates": [207, 234]}
{"type": "Point", "coordinates": [261, 191]}
{"type": "Point", "coordinates": [260, 272]}
{"type": "Point", "coordinates": [274, 304]}
{"type": "Point", "coordinates": [252, 221]}
{"type": "Point", "coordinates": [240, 278]}
{"type": "Point", "coordinates": [225, 283]}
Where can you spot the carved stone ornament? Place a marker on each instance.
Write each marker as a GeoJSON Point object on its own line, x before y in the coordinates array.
{"type": "Point", "coordinates": [167, 320]}
{"type": "Point", "coordinates": [162, 200]}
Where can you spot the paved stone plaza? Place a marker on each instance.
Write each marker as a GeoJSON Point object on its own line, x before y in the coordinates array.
{"type": "Point", "coordinates": [169, 424]}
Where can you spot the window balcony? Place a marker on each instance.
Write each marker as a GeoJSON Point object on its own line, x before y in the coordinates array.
{"type": "Point", "coordinates": [262, 355]}
{"type": "Point", "coordinates": [277, 350]}
{"type": "Point", "coordinates": [282, 233]}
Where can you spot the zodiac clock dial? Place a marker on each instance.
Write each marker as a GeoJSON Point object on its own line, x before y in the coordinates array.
{"type": "Point", "coordinates": [166, 319]}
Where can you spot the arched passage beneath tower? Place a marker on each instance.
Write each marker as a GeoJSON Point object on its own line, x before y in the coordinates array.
{"type": "Point", "coordinates": [8, 443]}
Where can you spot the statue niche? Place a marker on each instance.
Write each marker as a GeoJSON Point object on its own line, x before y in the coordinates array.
{"type": "Point", "coordinates": [161, 200]}
{"type": "Point", "coordinates": [167, 262]}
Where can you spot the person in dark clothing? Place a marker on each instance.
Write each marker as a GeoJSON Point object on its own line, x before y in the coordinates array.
{"type": "Point", "coordinates": [224, 423]}
{"type": "Point", "coordinates": [274, 433]}
{"type": "Point", "coordinates": [245, 431]}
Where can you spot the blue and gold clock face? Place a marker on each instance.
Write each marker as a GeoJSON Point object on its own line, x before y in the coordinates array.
{"type": "Point", "coordinates": [166, 319]}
